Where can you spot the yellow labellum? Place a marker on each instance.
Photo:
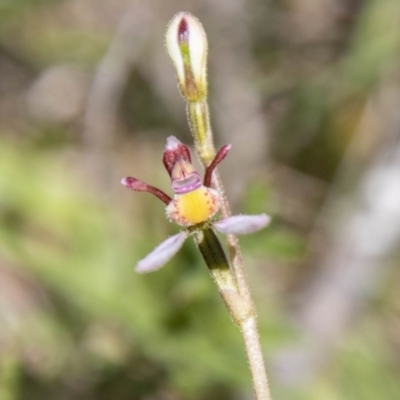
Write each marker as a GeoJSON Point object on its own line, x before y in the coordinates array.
{"type": "Point", "coordinates": [193, 207]}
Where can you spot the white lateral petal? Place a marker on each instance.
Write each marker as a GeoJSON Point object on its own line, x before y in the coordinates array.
{"type": "Point", "coordinates": [172, 44]}
{"type": "Point", "coordinates": [242, 224]}
{"type": "Point", "coordinates": [162, 253]}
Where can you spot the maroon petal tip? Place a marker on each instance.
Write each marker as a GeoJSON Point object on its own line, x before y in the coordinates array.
{"type": "Point", "coordinates": [172, 143]}
{"type": "Point", "coordinates": [127, 181]}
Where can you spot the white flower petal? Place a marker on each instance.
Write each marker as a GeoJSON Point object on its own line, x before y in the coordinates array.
{"type": "Point", "coordinates": [242, 224]}
{"type": "Point", "coordinates": [172, 44]}
{"type": "Point", "coordinates": [198, 49]}
{"type": "Point", "coordinates": [162, 253]}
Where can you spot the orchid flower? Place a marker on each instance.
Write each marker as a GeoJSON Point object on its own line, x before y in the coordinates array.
{"type": "Point", "coordinates": [193, 206]}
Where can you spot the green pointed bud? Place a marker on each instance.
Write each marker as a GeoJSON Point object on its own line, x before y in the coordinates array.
{"type": "Point", "coordinates": [186, 44]}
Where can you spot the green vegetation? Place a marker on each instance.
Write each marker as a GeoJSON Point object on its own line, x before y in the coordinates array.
{"type": "Point", "coordinates": [76, 322]}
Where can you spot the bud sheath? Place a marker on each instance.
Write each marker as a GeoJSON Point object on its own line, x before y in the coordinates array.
{"type": "Point", "coordinates": [186, 44]}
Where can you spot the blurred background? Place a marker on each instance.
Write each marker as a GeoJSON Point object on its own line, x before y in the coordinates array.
{"type": "Point", "coordinates": [308, 93]}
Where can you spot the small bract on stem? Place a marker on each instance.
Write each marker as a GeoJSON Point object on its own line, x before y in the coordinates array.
{"type": "Point", "coordinates": [196, 204]}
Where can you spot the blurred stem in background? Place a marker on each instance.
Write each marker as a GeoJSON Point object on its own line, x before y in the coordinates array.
{"type": "Point", "coordinates": [187, 46]}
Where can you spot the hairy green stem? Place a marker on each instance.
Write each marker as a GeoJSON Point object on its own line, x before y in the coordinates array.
{"type": "Point", "coordinates": [214, 256]}
{"type": "Point", "coordinates": [238, 301]}
{"type": "Point", "coordinates": [218, 265]}
{"type": "Point", "coordinates": [199, 122]}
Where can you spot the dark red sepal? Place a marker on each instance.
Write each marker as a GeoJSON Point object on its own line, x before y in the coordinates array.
{"type": "Point", "coordinates": [139, 186]}
{"type": "Point", "coordinates": [221, 154]}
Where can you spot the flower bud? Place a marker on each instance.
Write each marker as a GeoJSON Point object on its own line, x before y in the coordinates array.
{"type": "Point", "coordinates": [186, 44]}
